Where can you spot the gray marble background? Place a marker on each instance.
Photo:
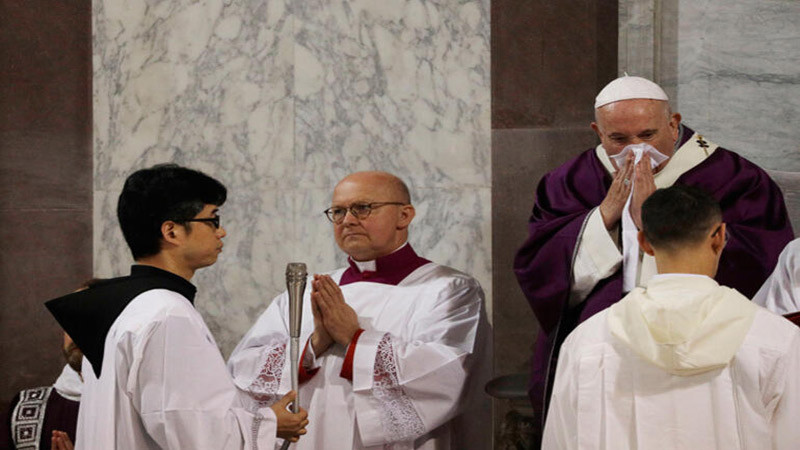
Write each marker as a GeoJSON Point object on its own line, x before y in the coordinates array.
{"type": "Point", "coordinates": [730, 66]}
{"type": "Point", "coordinates": [279, 99]}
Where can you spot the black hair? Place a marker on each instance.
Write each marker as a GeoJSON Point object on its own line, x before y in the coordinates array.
{"type": "Point", "coordinates": [679, 215]}
{"type": "Point", "coordinates": [163, 192]}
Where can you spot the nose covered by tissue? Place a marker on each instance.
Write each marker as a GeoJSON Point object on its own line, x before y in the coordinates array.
{"type": "Point", "coordinates": [639, 150]}
{"type": "Point", "coordinates": [630, 244]}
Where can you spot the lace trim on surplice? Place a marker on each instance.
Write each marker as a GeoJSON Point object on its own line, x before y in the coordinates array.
{"type": "Point", "coordinates": [264, 389]}
{"type": "Point", "coordinates": [399, 419]}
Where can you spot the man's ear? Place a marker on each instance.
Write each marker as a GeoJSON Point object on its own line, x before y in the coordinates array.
{"type": "Point", "coordinates": [643, 244]}
{"type": "Point", "coordinates": [407, 213]}
{"type": "Point", "coordinates": [674, 124]}
{"type": "Point", "coordinates": [596, 129]}
{"type": "Point", "coordinates": [172, 233]}
{"type": "Point", "coordinates": [718, 241]}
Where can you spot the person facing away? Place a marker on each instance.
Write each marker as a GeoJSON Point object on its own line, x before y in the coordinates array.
{"type": "Point", "coordinates": [397, 348]}
{"type": "Point", "coordinates": [153, 375]}
{"type": "Point", "coordinates": [682, 363]}
{"type": "Point", "coordinates": [582, 254]}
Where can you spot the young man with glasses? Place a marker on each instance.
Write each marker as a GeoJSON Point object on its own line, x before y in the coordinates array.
{"type": "Point", "coordinates": [397, 348]}
{"type": "Point", "coordinates": [153, 375]}
{"type": "Point", "coordinates": [683, 362]}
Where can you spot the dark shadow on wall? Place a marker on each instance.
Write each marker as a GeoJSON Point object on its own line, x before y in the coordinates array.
{"type": "Point", "coordinates": [45, 181]}
{"type": "Point", "coordinates": [549, 60]}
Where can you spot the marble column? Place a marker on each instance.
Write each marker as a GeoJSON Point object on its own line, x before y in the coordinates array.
{"type": "Point", "coordinates": [730, 67]}
{"type": "Point", "coordinates": [279, 99]}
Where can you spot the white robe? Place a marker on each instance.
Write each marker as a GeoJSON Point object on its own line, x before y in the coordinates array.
{"type": "Point", "coordinates": [164, 385]}
{"type": "Point", "coordinates": [781, 292]}
{"type": "Point", "coordinates": [614, 395]}
{"type": "Point", "coordinates": [69, 384]}
{"type": "Point", "coordinates": [421, 362]}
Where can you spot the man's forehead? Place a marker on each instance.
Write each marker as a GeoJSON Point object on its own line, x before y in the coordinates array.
{"type": "Point", "coordinates": [353, 189]}
{"type": "Point", "coordinates": [626, 112]}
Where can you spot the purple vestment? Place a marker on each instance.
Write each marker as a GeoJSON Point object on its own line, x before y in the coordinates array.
{"type": "Point", "coordinates": [752, 207]}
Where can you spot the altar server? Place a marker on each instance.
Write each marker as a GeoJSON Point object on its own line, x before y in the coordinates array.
{"type": "Point", "coordinates": [397, 348]}
{"type": "Point", "coordinates": [683, 362]}
{"type": "Point", "coordinates": [153, 375]}
{"type": "Point", "coordinates": [781, 292]}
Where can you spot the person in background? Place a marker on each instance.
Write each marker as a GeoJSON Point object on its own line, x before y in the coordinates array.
{"type": "Point", "coordinates": [582, 254]}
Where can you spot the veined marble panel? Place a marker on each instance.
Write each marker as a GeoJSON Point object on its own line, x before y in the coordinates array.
{"type": "Point", "coordinates": [399, 86]}
{"type": "Point", "coordinates": [279, 100]}
{"type": "Point", "coordinates": [733, 66]}
{"type": "Point", "coordinates": [738, 76]}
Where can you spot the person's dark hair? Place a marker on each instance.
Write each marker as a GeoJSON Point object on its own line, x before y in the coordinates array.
{"type": "Point", "coordinates": [163, 192]}
{"type": "Point", "coordinates": [678, 215]}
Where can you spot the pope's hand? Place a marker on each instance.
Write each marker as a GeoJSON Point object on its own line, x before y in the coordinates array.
{"type": "Point", "coordinates": [290, 425]}
{"type": "Point", "coordinates": [612, 206]}
{"type": "Point", "coordinates": [645, 186]}
{"type": "Point", "coordinates": [338, 318]}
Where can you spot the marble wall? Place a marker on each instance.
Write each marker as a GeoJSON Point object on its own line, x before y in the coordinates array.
{"type": "Point", "coordinates": [281, 98]}
{"type": "Point", "coordinates": [730, 67]}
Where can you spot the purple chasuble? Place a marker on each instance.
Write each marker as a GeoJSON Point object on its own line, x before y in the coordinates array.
{"type": "Point", "coordinates": [752, 207]}
{"type": "Point", "coordinates": [390, 269]}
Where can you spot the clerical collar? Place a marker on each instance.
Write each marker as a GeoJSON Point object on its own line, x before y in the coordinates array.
{"type": "Point", "coordinates": [88, 315]}
{"type": "Point", "coordinates": [177, 282]}
{"type": "Point", "coordinates": [389, 269]}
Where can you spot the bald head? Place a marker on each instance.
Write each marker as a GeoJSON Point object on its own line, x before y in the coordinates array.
{"type": "Point", "coordinates": [386, 212]}
{"type": "Point", "coordinates": [382, 181]}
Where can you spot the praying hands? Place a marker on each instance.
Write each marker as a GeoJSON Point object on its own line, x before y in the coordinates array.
{"type": "Point", "coordinates": [334, 320]}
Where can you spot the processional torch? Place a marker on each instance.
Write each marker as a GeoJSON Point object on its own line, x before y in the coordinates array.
{"type": "Point", "coordinates": [296, 276]}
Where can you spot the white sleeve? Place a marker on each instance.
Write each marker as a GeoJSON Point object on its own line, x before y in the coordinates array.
{"type": "Point", "coordinates": [403, 389]}
{"type": "Point", "coordinates": [186, 399]}
{"type": "Point", "coordinates": [781, 292]}
{"type": "Point", "coordinates": [258, 362]}
{"type": "Point", "coordinates": [785, 432]}
{"type": "Point", "coordinates": [560, 429]}
{"type": "Point", "coordinates": [597, 257]}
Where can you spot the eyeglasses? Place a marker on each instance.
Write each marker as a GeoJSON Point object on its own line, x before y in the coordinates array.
{"type": "Point", "coordinates": [360, 211]}
{"type": "Point", "coordinates": [214, 221]}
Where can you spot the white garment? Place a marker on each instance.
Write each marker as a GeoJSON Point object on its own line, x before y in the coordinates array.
{"type": "Point", "coordinates": [164, 385]}
{"type": "Point", "coordinates": [616, 394]}
{"type": "Point", "coordinates": [69, 384]}
{"type": "Point", "coordinates": [781, 292]}
{"type": "Point", "coordinates": [421, 362]}
{"type": "Point", "coordinates": [599, 253]}
{"type": "Point", "coordinates": [630, 241]}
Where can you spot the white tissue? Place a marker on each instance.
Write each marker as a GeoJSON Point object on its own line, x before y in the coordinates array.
{"type": "Point", "coordinates": [639, 150]}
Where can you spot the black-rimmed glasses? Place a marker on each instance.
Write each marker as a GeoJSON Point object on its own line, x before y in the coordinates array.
{"type": "Point", "coordinates": [360, 211]}
{"type": "Point", "coordinates": [214, 221]}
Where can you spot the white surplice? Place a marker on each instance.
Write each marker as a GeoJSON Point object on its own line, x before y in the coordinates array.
{"type": "Point", "coordinates": [682, 364]}
{"type": "Point", "coordinates": [781, 292]}
{"type": "Point", "coordinates": [418, 371]}
{"type": "Point", "coordinates": [69, 384]}
{"type": "Point", "coordinates": [164, 385]}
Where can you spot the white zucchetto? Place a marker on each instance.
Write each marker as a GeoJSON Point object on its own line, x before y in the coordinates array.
{"type": "Point", "coordinates": [627, 88]}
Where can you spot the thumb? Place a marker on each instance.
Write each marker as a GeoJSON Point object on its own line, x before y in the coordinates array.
{"type": "Point", "coordinates": [288, 398]}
